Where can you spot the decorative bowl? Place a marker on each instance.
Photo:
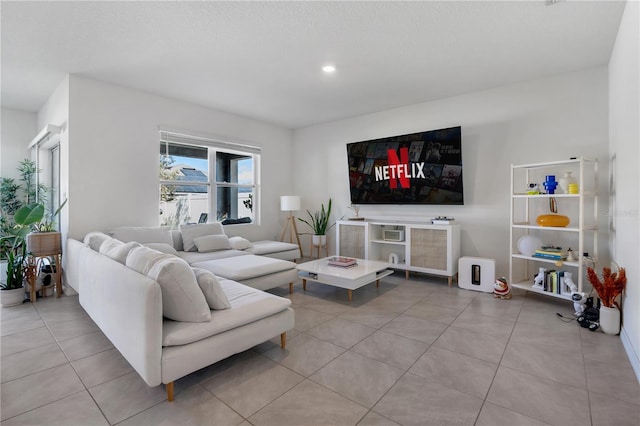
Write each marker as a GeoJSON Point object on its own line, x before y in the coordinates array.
{"type": "Point", "coordinates": [555, 220]}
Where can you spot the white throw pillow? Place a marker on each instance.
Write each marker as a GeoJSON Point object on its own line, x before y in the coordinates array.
{"type": "Point", "coordinates": [117, 250]}
{"type": "Point", "coordinates": [182, 299]}
{"type": "Point", "coordinates": [142, 259]}
{"type": "Point", "coordinates": [239, 243]}
{"type": "Point", "coordinates": [212, 243]}
{"type": "Point", "coordinates": [189, 232]}
{"type": "Point", "coordinates": [212, 290]}
{"type": "Point", "coordinates": [95, 239]}
{"type": "Point", "coordinates": [163, 248]}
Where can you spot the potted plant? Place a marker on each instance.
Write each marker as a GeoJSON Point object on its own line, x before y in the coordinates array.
{"type": "Point", "coordinates": [45, 239]}
{"type": "Point", "coordinates": [18, 193]}
{"type": "Point", "coordinates": [319, 224]}
{"type": "Point", "coordinates": [12, 291]}
{"type": "Point", "coordinates": [611, 286]}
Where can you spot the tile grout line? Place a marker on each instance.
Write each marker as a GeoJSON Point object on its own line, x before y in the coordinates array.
{"type": "Point", "coordinates": [70, 365]}
{"type": "Point", "coordinates": [484, 400]}
{"type": "Point", "coordinates": [86, 389]}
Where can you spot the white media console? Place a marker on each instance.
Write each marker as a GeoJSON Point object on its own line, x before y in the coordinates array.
{"type": "Point", "coordinates": [409, 246]}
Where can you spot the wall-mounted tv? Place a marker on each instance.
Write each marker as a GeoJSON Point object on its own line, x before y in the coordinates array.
{"type": "Point", "coordinates": [419, 168]}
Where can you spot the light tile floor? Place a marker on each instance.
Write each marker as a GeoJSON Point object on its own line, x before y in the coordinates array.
{"type": "Point", "coordinates": [412, 352]}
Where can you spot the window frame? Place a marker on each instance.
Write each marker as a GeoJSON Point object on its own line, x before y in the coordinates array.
{"type": "Point", "coordinates": [213, 146]}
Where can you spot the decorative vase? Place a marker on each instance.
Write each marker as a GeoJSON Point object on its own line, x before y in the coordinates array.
{"type": "Point", "coordinates": [12, 297]}
{"type": "Point", "coordinates": [565, 181]}
{"type": "Point", "coordinates": [610, 320]}
{"type": "Point", "coordinates": [319, 240]}
{"type": "Point", "coordinates": [550, 184]}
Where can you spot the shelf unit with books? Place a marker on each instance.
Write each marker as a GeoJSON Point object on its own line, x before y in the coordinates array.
{"type": "Point", "coordinates": [581, 233]}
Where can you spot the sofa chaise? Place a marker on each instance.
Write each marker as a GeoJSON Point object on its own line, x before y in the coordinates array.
{"type": "Point", "coordinates": [167, 319]}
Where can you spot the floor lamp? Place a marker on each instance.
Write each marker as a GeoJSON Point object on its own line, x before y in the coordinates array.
{"type": "Point", "coordinates": [290, 203]}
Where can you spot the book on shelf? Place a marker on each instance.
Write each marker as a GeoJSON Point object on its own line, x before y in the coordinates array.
{"type": "Point", "coordinates": [341, 261]}
{"type": "Point", "coordinates": [553, 282]}
{"type": "Point", "coordinates": [550, 254]}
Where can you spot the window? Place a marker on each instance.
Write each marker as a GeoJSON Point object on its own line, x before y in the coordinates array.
{"type": "Point", "coordinates": [46, 154]}
{"type": "Point", "coordinates": [187, 191]}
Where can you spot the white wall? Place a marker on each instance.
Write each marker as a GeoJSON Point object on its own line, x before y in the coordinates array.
{"type": "Point", "coordinates": [543, 120]}
{"type": "Point", "coordinates": [113, 171]}
{"type": "Point", "coordinates": [624, 133]}
{"type": "Point", "coordinates": [17, 129]}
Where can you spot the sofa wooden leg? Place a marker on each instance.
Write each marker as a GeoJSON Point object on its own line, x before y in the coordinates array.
{"type": "Point", "coordinates": [283, 340]}
{"type": "Point", "coordinates": [170, 391]}
{"type": "Point", "coordinates": [290, 288]}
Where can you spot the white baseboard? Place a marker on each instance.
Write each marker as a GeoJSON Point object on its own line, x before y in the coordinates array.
{"type": "Point", "coordinates": [631, 353]}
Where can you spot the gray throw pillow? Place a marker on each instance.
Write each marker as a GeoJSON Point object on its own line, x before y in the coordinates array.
{"type": "Point", "coordinates": [212, 290]}
{"type": "Point", "coordinates": [182, 299]}
{"type": "Point", "coordinates": [212, 243]}
{"type": "Point", "coordinates": [189, 232]}
{"type": "Point", "coordinates": [117, 250]}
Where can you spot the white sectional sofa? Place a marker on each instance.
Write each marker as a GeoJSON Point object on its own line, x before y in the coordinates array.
{"type": "Point", "coordinates": [264, 264]}
{"type": "Point", "coordinates": [157, 312]}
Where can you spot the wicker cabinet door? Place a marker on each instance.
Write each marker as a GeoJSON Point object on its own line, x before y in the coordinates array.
{"type": "Point", "coordinates": [352, 241]}
{"type": "Point", "coordinates": [429, 248]}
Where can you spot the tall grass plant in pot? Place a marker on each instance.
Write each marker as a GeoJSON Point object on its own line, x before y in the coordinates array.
{"type": "Point", "coordinates": [319, 223]}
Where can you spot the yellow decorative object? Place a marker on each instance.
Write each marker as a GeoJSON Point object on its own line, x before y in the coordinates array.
{"type": "Point", "coordinates": [556, 220]}
{"type": "Point", "coordinates": [573, 188]}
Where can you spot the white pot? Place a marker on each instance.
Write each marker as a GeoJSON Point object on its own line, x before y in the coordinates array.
{"type": "Point", "coordinates": [319, 240]}
{"type": "Point", "coordinates": [610, 320]}
{"type": "Point", "coordinates": [12, 297]}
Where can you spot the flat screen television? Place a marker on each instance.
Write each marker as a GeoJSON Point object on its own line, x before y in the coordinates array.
{"type": "Point", "coordinates": [419, 168]}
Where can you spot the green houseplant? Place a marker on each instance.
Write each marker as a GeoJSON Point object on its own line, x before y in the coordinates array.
{"type": "Point", "coordinates": [22, 212]}
{"type": "Point", "coordinates": [319, 223]}
{"type": "Point", "coordinates": [45, 240]}
{"type": "Point", "coordinates": [15, 194]}
{"type": "Point", "coordinates": [12, 286]}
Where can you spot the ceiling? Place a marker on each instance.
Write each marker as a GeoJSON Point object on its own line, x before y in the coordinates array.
{"type": "Point", "coordinates": [263, 59]}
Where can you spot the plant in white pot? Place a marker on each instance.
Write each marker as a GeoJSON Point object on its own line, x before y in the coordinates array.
{"type": "Point", "coordinates": [319, 224]}
{"type": "Point", "coordinates": [12, 291]}
{"type": "Point", "coordinates": [609, 289]}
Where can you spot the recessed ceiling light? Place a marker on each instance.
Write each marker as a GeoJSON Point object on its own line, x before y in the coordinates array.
{"type": "Point", "coordinates": [328, 68]}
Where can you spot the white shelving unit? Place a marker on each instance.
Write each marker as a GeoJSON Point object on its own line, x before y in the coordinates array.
{"type": "Point", "coordinates": [581, 234]}
{"type": "Point", "coordinates": [418, 246]}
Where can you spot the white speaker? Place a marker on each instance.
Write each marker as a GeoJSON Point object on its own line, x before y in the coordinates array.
{"type": "Point", "coordinates": [394, 259]}
{"type": "Point", "coordinates": [476, 273]}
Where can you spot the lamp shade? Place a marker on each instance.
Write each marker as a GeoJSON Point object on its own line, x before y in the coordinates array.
{"type": "Point", "coordinates": [289, 203]}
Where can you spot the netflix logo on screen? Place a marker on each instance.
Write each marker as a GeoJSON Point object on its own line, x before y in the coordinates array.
{"type": "Point", "coordinates": [398, 171]}
{"type": "Point", "coordinates": [418, 168]}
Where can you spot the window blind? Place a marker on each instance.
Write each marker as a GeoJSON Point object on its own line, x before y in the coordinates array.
{"type": "Point", "coordinates": [184, 139]}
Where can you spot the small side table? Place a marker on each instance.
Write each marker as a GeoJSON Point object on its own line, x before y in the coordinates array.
{"type": "Point", "coordinates": [44, 245]}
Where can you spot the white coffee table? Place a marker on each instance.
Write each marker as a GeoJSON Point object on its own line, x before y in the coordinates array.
{"type": "Point", "coordinates": [365, 272]}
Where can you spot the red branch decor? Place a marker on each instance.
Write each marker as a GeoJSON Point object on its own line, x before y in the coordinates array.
{"type": "Point", "coordinates": [611, 287]}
